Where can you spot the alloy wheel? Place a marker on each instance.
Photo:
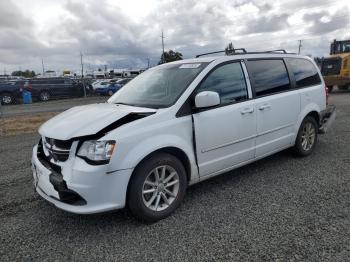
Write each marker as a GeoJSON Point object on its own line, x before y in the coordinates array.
{"type": "Point", "coordinates": [160, 188]}
{"type": "Point", "coordinates": [44, 96]}
{"type": "Point", "coordinates": [308, 136]}
{"type": "Point", "coordinates": [6, 99]}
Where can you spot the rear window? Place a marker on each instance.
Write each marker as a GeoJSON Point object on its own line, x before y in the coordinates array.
{"type": "Point", "coordinates": [331, 66]}
{"type": "Point", "coordinates": [268, 76]}
{"type": "Point", "coordinates": [304, 71]}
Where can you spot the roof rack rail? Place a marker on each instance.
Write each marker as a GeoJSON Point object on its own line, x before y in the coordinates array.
{"type": "Point", "coordinates": [228, 52]}
{"type": "Point", "coordinates": [276, 51]}
{"type": "Point", "coordinates": [210, 53]}
{"type": "Point", "coordinates": [243, 51]}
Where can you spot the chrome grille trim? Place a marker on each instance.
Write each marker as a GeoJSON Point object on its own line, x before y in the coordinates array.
{"type": "Point", "coordinates": [54, 152]}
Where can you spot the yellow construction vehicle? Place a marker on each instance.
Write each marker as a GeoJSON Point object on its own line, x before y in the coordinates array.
{"type": "Point", "coordinates": [336, 68]}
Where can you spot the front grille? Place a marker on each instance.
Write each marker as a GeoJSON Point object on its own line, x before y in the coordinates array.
{"type": "Point", "coordinates": [55, 149]}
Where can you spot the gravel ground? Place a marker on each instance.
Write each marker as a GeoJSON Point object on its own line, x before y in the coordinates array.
{"type": "Point", "coordinates": [50, 106]}
{"type": "Point", "coordinates": [280, 208]}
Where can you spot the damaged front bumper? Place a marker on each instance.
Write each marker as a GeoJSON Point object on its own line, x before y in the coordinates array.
{"type": "Point", "coordinates": [327, 118]}
{"type": "Point", "coordinates": [79, 187]}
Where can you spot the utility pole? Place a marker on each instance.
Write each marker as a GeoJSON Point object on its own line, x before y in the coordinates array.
{"type": "Point", "coordinates": [42, 63]}
{"type": "Point", "coordinates": [163, 58]}
{"type": "Point", "coordinates": [299, 48]}
{"type": "Point", "coordinates": [82, 72]}
{"type": "Point", "coordinates": [148, 62]}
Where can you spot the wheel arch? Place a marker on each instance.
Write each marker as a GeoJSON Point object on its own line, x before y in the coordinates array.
{"type": "Point", "coordinates": [310, 110]}
{"type": "Point", "coordinates": [176, 152]}
{"type": "Point", "coordinates": [315, 115]}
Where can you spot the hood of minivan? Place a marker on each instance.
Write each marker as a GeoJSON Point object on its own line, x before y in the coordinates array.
{"type": "Point", "coordinates": [87, 120]}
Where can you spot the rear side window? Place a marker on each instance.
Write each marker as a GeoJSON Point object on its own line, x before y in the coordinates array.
{"type": "Point", "coordinates": [227, 80]}
{"type": "Point", "coordinates": [268, 76]}
{"type": "Point", "coordinates": [304, 71]}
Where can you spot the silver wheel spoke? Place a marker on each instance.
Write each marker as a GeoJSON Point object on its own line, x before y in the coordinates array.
{"type": "Point", "coordinates": [149, 191]}
{"type": "Point", "coordinates": [156, 175]}
{"type": "Point", "coordinates": [166, 201]}
{"type": "Point", "coordinates": [170, 177]}
{"type": "Point", "coordinates": [162, 175]}
{"type": "Point", "coordinates": [152, 199]}
{"type": "Point", "coordinates": [172, 183]}
{"type": "Point", "coordinates": [303, 144]}
{"type": "Point", "coordinates": [169, 193]}
{"type": "Point", "coordinates": [147, 182]}
{"type": "Point", "coordinates": [156, 205]}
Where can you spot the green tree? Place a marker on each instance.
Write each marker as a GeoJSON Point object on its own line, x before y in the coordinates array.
{"type": "Point", "coordinates": [170, 56]}
{"type": "Point", "coordinates": [26, 73]}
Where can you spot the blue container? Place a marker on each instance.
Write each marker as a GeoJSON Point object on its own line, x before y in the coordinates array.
{"type": "Point", "coordinates": [27, 97]}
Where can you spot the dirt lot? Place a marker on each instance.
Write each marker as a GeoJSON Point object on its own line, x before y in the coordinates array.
{"type": "Point", "coordinates": [280, 209]}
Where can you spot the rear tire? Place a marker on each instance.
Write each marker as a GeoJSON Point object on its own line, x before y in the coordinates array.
{"type": "Point", "coordinates": [307, 137]}
{"type": "Point", "coordinates": [151, 199]}
{"type": "Point", "coordinates": [44, 96]}
{"type": "Point", "coordinates": [7, 98]}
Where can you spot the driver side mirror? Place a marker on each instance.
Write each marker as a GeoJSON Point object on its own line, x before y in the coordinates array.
{"type": "Point", "coordinates": [207, 99]}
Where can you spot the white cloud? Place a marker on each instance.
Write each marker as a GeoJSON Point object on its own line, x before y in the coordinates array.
{"type": "Point", "coordinates": [127, 32]}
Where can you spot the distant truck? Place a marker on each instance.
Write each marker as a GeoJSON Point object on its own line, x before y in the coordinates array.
{"type": "Point", "coordinates": [336, 68]}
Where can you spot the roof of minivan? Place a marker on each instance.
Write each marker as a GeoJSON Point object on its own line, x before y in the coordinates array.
{"type": "Point", "coordinates": [209, 59]}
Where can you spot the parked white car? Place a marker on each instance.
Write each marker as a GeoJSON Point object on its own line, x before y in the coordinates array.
{"type": "Point", "coordinates": [175, 125]}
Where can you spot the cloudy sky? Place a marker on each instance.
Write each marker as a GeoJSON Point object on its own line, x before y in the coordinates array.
{"type": "Point", "coordinates": [125, 33]}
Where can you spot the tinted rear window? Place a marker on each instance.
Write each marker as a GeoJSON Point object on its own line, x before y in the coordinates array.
{"type": "Point", "coordinates": [268, 76]}
{"type": "Point", "coordinates": [305, 73]}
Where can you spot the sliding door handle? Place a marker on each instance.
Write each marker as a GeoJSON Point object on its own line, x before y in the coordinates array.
{"type": "Point", "coordinates": [248, 110]}
{"type": "Point", "coordinates": [264, 106]}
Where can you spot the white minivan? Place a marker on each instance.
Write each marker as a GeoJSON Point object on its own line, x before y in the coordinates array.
{"type": "Point", "coordinates": [178, 124]}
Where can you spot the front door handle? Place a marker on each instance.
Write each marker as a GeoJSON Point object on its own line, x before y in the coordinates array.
{"type": "Point", "coordinates": [247, 110]}
{"type": "Point", "coordinates": [264, 106]}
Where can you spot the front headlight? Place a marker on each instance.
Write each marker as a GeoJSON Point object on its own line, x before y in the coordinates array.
{"type": "Point", "coordinates": [97, 151]}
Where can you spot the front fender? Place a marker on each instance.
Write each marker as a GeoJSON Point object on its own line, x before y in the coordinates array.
{"type": "Point", "coordinates": [138, 152]}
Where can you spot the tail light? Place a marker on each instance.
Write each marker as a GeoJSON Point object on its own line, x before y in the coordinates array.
{"type": "Point", "coordinates": [327, 94]}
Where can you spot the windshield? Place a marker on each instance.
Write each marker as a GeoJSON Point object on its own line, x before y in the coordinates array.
{"type": "Point", "coordinates": [158, 87]}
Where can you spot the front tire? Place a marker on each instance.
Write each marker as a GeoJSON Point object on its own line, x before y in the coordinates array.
{"type": "Point", "coordinates": [157, 187]}
{"type": "Point", "coordinates": [307, 137]}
